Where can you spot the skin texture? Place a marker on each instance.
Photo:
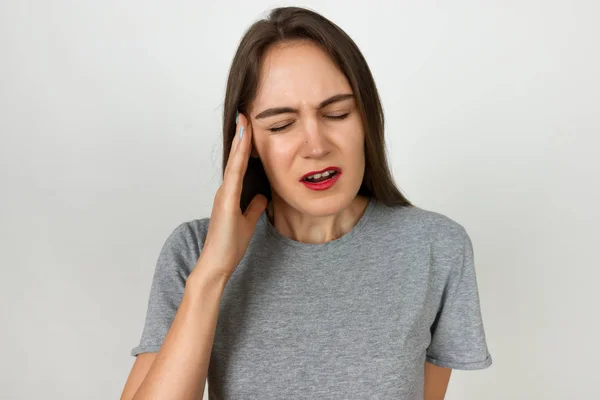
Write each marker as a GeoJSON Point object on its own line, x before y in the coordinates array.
{"type": "Point", "coordinates": [300, 75]}
{"type": "Point", "coordinates": [139, 370]}
{"type": "Point", "coordinates": [436, 381]}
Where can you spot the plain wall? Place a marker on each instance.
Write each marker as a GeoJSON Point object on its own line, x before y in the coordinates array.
{"type": "Point", "coordinates": [110, 116]}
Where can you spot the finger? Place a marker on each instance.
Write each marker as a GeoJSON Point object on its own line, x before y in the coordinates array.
{"type": "Point", "coordinates": [238, 161]}
{"type": "Point", "coordinates": [234, 143]}
{"type": "Point", "coordinates": [255, 208]}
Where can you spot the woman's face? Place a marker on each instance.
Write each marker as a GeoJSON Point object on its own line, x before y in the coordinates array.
{"type": "Point", "coordinates": [296, 133]}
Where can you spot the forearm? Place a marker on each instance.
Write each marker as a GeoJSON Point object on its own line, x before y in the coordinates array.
{"type": "Point", "coordinates": [436, 381]}
{"type": "Point", "coordinates": [181, 366]}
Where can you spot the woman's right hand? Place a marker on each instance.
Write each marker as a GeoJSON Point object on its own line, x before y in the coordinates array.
{"type": "Point", "coordinates": [230, 230]}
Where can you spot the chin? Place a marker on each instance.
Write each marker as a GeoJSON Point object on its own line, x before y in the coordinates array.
{"type": "Point", "coordinates": [324, 206]}
{"type": "Point", "coordinates": [320, 203]}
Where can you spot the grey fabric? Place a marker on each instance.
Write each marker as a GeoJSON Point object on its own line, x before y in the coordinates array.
{"type": "Point", "coordinates": [354, 318]}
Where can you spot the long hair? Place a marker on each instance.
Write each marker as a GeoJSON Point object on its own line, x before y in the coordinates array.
{"type": "Point", "coordinates": [286, 24]}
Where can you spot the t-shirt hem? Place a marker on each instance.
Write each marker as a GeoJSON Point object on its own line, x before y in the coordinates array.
{"type": "Point", "coordinates": [461, 365]}
{"type": "Point", "coordinates": [148, 348]}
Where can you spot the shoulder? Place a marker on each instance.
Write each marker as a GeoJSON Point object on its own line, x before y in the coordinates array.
{"type": "Point", "coordinates": [198, 228]}
{"type": "Point", "coordinates": [191, 233]}
{"type": "Point", "coordinates": [187, 237]}
{"type": "Point", "coordinates": [424, 225]}
{"type": "Point", "coordinates": [182, 247]}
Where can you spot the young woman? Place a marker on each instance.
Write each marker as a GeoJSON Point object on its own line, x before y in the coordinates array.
{"type": "Point", "coordinates": [314, 277]}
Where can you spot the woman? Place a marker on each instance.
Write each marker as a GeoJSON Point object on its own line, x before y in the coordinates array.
{"type": "Point", "coordinates": [315, 278]}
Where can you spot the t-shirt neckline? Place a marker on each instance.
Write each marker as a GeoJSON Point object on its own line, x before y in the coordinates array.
{"type": "Point", "coordinates": [274, 233]}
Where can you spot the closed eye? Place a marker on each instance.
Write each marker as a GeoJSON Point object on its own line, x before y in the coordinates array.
{"type": "Point", "coordinates": [279, 128]}
{"type": "Point", "coordinates": [337, 116]}
{"type": "Point", "coordinates": [333, 117]}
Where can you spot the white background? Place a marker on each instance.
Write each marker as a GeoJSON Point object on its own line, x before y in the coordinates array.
{"type": "Point", "coordinates": [110, 117]}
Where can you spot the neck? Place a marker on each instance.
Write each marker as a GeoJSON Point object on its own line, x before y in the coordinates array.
{"type": "Point", "coordinates": [306, 228]}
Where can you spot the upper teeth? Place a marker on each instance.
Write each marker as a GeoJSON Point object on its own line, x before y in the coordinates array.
{"type": "Point", "coordinates": [317, 176]}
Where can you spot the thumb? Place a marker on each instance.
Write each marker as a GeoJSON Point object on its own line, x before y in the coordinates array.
{"type": "Point", "coordinates": [255, 208]}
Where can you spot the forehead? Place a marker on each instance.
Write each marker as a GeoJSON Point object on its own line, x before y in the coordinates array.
{"type": "Point", "coordinates": [297, 74]}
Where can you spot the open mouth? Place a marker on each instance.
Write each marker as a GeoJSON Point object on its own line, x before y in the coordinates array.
{"type": "Point", "coordinates": [321, 177]}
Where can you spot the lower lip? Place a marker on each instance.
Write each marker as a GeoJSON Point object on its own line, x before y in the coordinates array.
{"type": "Point", "coordinates": [322, 185]}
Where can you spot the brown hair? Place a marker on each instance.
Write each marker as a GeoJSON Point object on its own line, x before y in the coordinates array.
{"type": "Point", "coordinates": [285, 24]}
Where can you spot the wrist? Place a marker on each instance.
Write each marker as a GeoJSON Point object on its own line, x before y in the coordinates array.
{"type": "Point", "coordinates": [204, 277]}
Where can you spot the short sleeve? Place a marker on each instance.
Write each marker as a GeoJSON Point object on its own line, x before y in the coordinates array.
{"type": "Point", "coordinates": [457, 335]}
{"type": "Point", "coordinates": [176, 259]}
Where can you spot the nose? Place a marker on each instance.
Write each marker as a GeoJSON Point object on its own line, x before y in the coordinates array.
{"type": "Point", "coordinates": [316, 144]}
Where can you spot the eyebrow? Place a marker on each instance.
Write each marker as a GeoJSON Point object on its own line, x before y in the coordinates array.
{"type": "Point", "coordinates": [280, 110]}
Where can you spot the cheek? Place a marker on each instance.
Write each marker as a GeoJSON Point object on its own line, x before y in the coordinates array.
{"type": "Point", "coordinates": [350, 141]}
{"type": "Point", "coordinates": [277, 157]}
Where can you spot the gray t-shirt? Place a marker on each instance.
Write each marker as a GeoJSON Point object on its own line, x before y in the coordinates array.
{"type": "Point", "coordinates": [354, 318]}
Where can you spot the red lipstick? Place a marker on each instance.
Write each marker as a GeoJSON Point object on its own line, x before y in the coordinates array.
{"type": "Point", "coordinates": [336, 169]}
{"type": "Point", "coordinates": [322, 184]}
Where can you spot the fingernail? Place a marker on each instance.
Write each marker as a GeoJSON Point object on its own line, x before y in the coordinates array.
{"type": "Point", "coordinates": [237, 114]}
{"type": "Point", "coordinates": [241, 132]}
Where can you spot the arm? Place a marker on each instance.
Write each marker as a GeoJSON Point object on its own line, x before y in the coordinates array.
{"type": "Point", "coordinates": [179, 369]}
{"type": "Point", "coordinates": [436, 381]}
